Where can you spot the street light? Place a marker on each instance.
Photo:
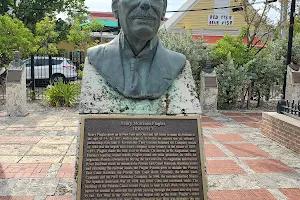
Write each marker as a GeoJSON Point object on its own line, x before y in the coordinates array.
{"type": "Point", "coordinates": [290, 43]}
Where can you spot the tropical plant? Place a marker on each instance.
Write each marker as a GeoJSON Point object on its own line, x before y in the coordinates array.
{"type": "Point", "coordinates": [62, 94]}
{"type": "Point", "coordinates": [196, 52]}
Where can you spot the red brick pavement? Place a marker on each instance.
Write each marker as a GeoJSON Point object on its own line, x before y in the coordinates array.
{"type": "Point", "coordinates": [213, 166]}
{"type": "Point", "coordinates": [246, 150]}
{"type": "Point", "coordinates": [252, 125]}
{"type": "Point", "coordinates": [228, 137]}
{"type": "Point", "coordinates": [233, 114]}
{"type": "Point", "coordinates": [208, 119]}
{"type": "Point", "coordinates": [24, 170]}
{"type": "Point", "coordinates": [206, 140]}
{"type": "Point", "coordinates": [223, 167]}
{"type": "Point", "coordinates": [213, 125]}
{"type": "Point", "coordinates": [268, 166]}
{"type": "Point", "coordinates": [212, 150]}
{"type": "Point", "coordinates": [256, 115]}
{"type": "Point", "coordinates": [244, 119]}
{"type": "Point", "coordinates": [291, 193]}
{"type": "Point", "coordinates": [259, 194]}
{"type": "Point", "coordinates": [20, 139]}
{"type": "Point", "coordinates": [66, 170]}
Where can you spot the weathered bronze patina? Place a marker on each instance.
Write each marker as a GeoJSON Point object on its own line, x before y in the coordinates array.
{"type": "Point", "coordinates": [135, 63]}
{"type": "Point", "coordinates": [296, 77]}
{"type": "Point", "coordinates": [210, 82]}
{"type": "Point", "coordinates": [141, 158]}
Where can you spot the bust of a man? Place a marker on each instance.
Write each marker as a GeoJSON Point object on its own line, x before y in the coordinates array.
{"type": "Point", "coordinates": [135, 63]}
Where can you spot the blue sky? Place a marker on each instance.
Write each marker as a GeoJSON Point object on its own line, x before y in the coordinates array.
{"type": "Point", "coordinates": [105, 5]}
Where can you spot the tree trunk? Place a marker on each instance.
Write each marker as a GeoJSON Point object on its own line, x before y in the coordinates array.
{"type": "Point", "coordinates": [258, 99]}
{"type": "Point", "coordinates": [249, 95]}
{"type": "Point", "coordinates": [245, 91]}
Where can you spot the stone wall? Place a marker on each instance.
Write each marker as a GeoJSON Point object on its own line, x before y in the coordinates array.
{"type": "Point", "coordinates": [283, 129]}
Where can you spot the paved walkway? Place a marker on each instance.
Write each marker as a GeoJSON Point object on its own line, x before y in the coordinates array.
{"type": "Point", "coordinates": [37, 158]}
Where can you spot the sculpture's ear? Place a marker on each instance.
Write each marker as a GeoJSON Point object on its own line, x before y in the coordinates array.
{"type": "Point", "coordinates": [164, 9]}
{"type": "Point", "coordinates": [114, 6]}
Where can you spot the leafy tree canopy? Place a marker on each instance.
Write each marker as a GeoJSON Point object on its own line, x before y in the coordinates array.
{"type": "Point", "coordinates": [14, 37]}
{"type": "Point", "coordinates": [4, 6]}
{"type": "Point", "coordinates": [235, 46]}
{"type": "Point", "coordinates": [81, 35]}
{"type": "Point", "coordinates": [33, 11]}
{"type": "Point", "coordinates": [45, 37]}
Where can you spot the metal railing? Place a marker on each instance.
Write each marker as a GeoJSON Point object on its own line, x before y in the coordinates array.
{"type": "Point", "coordinates": [289, 108]}
{"type": "Point", "coordinates": [43, 70]}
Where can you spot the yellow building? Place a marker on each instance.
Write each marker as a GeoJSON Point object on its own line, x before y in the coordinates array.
{"type": "Point", "coordinates": [209, 23]}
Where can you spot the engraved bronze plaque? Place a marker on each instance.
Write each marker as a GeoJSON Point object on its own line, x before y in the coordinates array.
{"type": "Point", "coordinates": [210, 82]}
{"type": "Point", "coordinates": [14, 76]}
{"type": "Point", "coordinates": [296, 77]}
{"type": "Point", "coordinates": [141, 158]}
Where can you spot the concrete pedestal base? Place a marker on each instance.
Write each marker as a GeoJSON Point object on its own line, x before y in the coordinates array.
{"type": "Point", "coordinates": [16, 105]}
{"type": "Point", "coordinates": [209, 91]}
{"type": "Point", "coordinates": [292, 85]}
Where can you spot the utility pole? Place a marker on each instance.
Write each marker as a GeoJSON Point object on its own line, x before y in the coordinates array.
{"type": "Point", "coordinates": [283, 18]}
{"type": "Point", "coordinates": [290, 43]}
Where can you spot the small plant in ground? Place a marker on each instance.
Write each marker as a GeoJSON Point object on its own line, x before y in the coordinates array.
{"type": "Point", "coordinates": [62, 94]}
{"type": "Point", "coordinates": [32, 95]}
{"type": "Point", "coordinates": [79, 74]}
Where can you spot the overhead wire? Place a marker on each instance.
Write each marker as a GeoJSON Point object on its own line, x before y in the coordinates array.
{"type": "Point", "coordinates": [188, 10]}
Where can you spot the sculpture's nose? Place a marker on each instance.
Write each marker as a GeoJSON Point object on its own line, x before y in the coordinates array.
{"type": "Point", "coordinates": [145, 5]}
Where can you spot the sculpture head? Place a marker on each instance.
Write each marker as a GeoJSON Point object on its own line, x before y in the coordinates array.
{"type": "Point", "coordinates": [140, 19]}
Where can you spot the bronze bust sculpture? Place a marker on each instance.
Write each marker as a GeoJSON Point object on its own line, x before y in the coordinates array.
{"type": "Point", "coordinates": [135, 63]}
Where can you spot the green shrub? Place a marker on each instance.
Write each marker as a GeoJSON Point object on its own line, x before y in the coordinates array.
{"type": "Point", "coordinates": [62, 94]}
{"type": "Point", "coordinates": [80, 74]}
{"type": "Point", "coordinates": [196, 52]}
{"type": "Point", "coordinates": [232, 78]}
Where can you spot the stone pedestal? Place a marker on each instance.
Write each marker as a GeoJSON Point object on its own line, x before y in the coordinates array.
{"type": "Point", "coordinates": [97, 98]}
{"type": "Point", "coordinates": [292, 85]}
{"type": "Point", "coordinates": [209, 91]}
{"type": "Point", "coordinates": [16, 105]}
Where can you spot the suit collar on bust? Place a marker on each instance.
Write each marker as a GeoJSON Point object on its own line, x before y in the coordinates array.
{"type": "Point", "coordinates": [109, 65]}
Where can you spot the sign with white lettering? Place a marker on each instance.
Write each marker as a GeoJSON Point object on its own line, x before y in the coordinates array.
{"type": "Point", "coordinates": [141, 157]}
{"type": "Point", "coordinates": [220, 20]}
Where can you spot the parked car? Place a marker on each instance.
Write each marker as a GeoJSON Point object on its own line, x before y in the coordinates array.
{"type": "Point", "coordinates": [62, 68]}
{"type": "Point", "coordinates": [3, 73]}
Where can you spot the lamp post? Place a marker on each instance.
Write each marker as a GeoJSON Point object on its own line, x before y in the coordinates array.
{"type": "Point", "coordinates": [290, 43]}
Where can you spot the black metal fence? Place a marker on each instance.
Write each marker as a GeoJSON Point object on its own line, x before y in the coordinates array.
{"type": "Point", "coordinates": [289, 108]}
{"type": "Point", "coordinates": [44, 70]}
{"type": "Point", "coordinates": [41, 70]}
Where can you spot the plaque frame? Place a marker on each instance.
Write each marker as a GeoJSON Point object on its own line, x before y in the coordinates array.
{"type": "Point", "coordinates": [210, 82]}
{"type": "Point", "coordinates": [81, 143]}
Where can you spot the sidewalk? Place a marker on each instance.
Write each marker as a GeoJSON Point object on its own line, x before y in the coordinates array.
{"type": "Point", "coordinates": [37, 156]}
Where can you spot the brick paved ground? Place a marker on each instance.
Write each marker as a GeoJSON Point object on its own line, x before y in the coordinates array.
{"type": "Point", "coordinates": [37, 158]}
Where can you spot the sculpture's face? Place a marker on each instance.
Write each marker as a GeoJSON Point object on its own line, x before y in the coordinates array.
{"type": "Point", "coordinates": [140, 18]}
